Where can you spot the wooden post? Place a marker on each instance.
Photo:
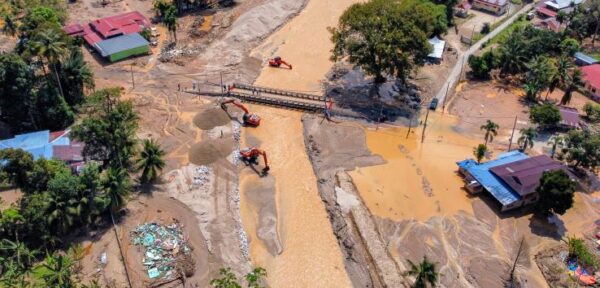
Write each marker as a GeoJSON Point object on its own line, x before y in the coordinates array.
{"type": "Point", "coordinates": [425, 125]}
{"type": "Point", "coordinates": [512, 134]}
{"type": "Point", "coordinates": [409, 126]}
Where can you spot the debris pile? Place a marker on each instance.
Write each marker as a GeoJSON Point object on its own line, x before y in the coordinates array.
{"type": "Point", "coordinates": [166, 253]}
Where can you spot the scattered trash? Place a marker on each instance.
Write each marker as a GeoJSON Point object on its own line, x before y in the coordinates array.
{"type": "Point", "coordinates": [103, 258]}
{"type": "Point", "coordinates": [166, 250]}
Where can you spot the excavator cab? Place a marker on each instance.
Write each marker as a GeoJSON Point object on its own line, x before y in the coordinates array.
{"type": "Point", "coordinates": [250, 156]}
{"type": "Point", "coordinates": [248, 118]}
{"type": "Point", "coordinates": [277, 62]}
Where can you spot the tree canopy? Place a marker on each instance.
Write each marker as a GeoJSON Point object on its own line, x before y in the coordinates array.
{"type": "Point", "coordinates": [555, 192]}
{"type": "Point", "coordinates": [387, 37]}
{"type": "Point", "coordinates": [546, 115]}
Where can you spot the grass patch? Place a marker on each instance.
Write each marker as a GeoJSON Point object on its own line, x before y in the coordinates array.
{"type": "Point", "coordinates": [502, 36]}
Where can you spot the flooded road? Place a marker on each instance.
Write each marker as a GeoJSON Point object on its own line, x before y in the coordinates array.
{"type": "Point", "coordinates": [418, 181]}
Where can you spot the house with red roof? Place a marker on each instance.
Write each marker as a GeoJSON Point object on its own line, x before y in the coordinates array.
{"type": "Point", "coordinates": [115, 37]}
{"type": "Point", "coordinates": [591, 78]}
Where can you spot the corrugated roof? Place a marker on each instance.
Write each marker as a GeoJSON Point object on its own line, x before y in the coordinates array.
{"type": "Point", "coordinates": [494, 185]}
{"type": "Point", "coordinates": [562, 4]}
{"type": "Point", "coordinates": [44, 144]}
{"type": "Point", "coordinates": [547, 12]}
{"type": "Point", "coordinates": [499, 3]}
{"type": "Point", "coordinates": [569, 116]}
{"type": "Point", "coordinates": [523, 176]}
{"type": "Point", "coordinates": [438, 47]}
{"type": "Point", "coordinates": [585, 58]}
{"type": "Point", "coordinates": [121, 43]}
{"type": "Point", "coordinates": [126, 23]}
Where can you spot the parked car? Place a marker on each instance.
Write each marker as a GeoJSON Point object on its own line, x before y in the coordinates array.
{"type": "Point", "coordinates": [433, 104]}
{"type": "Point", "coordinates": [530, 15]}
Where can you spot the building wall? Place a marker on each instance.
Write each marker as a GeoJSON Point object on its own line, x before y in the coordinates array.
{"type": "Point", "coordinates": [498, 10]}
{"type": "Point", "coordinates": [128, 53]}
{"type": "Point", "coordinates": [594, 92]}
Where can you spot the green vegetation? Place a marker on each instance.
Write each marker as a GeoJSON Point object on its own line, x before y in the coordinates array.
{"type": "Point", "coordinates": [388, 37]}
{"type": "Point", "coordinates": [33, 76]}
{"type": "Point", "coordinates": [581, 252]}
{"type": "Point", "coordinates": [555, 142]}
{"type": "Point", "coordinates": [150, 161]}
{"type": "Point", "coordinates": [527, 137]}
{"type": "Point", "coordinates": [167, 11]}
{"type": "Point", "coordinates": [592, 111]}
{"type": "Point", "coordinates": [424, 272]}
{"type": "Point", "coordinates": [555, 193]}
{"type": "Point", "coordinates": [581, 149]}
{"type": "Point", "coordinates": [479, 152]}
{"type": "Point", "coordinates": [546, 115]}
{"type": "Point", "coordinates": [229, 280]}
{"type": "Point", "coordinates": [491, 130]}
{"type": "Point", "coordinates": [481, 66]}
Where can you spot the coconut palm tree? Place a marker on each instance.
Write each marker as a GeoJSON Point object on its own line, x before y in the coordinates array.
{"type": "Point", "coordinates": [531, 91]}
{"type": "Point", "coordinates": [56, 270]}
{"type": "Point", "coordinates": [479, 152]}
{"type": "Point", "coordinates": [151, 161]}
{"type": "Point", "coordinates": [424, 272]}
{"type": "Point", "coordinates": [170, 20]}
{"type": "Point", "coordinates": [49, 44]}
{"type": "Point", "coordinates": [77, 75]}
{"type": "Point", "coordinates": [556, 142]}
{"type": "Point", "coordinates": [572, 83]}
{"type": "Point", "coordinates": [491, 130]}
{"type": "Point", "coordinates": [526, 139]}
{"type": "Point", "coordinates": [116, 187]}
{"type": "Point", "coordinates": [512, 53]}
{"type": "Point", "coordinates": [10, 26]}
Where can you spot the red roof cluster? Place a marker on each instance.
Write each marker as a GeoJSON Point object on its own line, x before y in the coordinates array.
{"type": "Point", "coordinates": [104, 28]}
{"type": "Point", "coordinates": [591, 74]}
{"type": "Point", "coordinates": [547, 11]}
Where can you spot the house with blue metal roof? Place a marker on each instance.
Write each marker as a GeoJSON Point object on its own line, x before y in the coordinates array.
{"type": "Point", "coordinates": [584, 59]}
{"type": "Point", "coordinates": [49, 145]}
{"type": "Point", "coordinates": [512, 178]}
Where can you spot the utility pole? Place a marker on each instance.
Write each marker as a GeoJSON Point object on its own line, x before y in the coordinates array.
{"type": "Point", "coordinates": [132, 81]}
{"type": "Point", "coordinates": [409, 126]}
{"type": "Point", "coordinates": [424, 125]}
{"type": "Point", "coordinates": [512, 134]}
{"type": "Point", "coordinates": [472, 36]}
{"type": "Point", "coordinates": [222, 88]}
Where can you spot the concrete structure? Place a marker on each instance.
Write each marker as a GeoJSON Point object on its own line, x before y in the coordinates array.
{"type": "Point", "coordinates": [584, 59]}
{"type": "Point", "coordinates": [591, 78]}
{"type": "Point", "coordinates": [438, 46]}
{"type": "Point", "coordinates": [114, 37]}
{"type": "Point", "coordinates": [497, 7]}
{"type": "Point", "coordinates": [511, 179]}
{"type": "Point", "coordinates": [558, 5]}
{"type": "Point", "coordinates": [49, 145]}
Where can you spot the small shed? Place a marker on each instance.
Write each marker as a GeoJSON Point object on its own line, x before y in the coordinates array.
{"type": "Point", "coordinates": [124, 46]}
{"type": "Point", "coordinates": [582, 59]}
{"type": "Point", "coordinates": [569, 117]}
{"type": "Point", "coordinates": [438, 49]}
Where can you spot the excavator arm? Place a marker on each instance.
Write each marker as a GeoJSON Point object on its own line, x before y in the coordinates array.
{"type": "Point", "coordinates": [249, 118]}
{"type": "Point", "coordinates": [264, 154]}
{"type": "Point", "coordinates": [232, 101]}
{"type": "Point", "coordinates": [251, 154]}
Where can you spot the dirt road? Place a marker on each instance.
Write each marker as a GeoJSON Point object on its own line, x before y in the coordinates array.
{"type": "Point", "coordinates": [310, 255]}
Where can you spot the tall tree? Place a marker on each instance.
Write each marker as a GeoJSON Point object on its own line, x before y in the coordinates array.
{"type": "Point", "coordinates": [170, 20]}
{"type": "Point", "coordinates": [50, 45]}
{"type": "Point", "coordinates": [77, 75]}
{"type": "Point", "coordinates": [150, 161]}
{"type": "Point", "coordinates": [556, 142]}
{"type": "Point", "coordinates": [527, 137]}
{"type": "Point", "coordinates": [382, 38]}
{"type": "Point", "coordinates": [56, 271]}
{"type": "Point", "coordinates": [491, 130]}
{"type": "Point", "coordinates": [17, 104]}
{"type": "Point", "coordinates": [572, 83]}
{"type": "Point", "coordinates": [545, 115]}
{"type": "Point", "coordinates": [424, 272]}
{"type": "Point", "coordinates": [116, 187]}
{"type": "Point", "coordinates": [556, 192]}
{"type": "Point", "coordinates": [10, 26]}
{"type": "Point", "coordinates": [512, 53]}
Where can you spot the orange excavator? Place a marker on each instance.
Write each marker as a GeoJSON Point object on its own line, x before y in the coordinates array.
{"type": "Point", "coordinates": [248, 118]}
{"type": "Point", "coordinates": [250, 156]}
{"type": "Point", "coordinates": [277, 62]}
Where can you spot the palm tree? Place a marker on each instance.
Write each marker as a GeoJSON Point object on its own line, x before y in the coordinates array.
{"type": "Point", "coordinates": [19, 252]}
{"type": "Point", "coordinates": [116, 187]}
{"type": "Point", "coordinates": [60, 212]}
{"type": "Point", "coordinates": [479, 152]}
{"type": "Point", "coordinates": [425, 272]}
{"type": "Point", "coordinates": [526, 138]}
{"type": "Point", "coordinates": [56, 270]}
{"type": "Point", "coordinates": [170, 20]}
{"type": "Point", "coordinates": [561, 17]}
{"type": "Point", "coordinates": [572, 84]}
{"type": "Point", "coordinates": [77, 75]}
{"type": "Point", "coordinates": [512, 53]}
{"type": "Point", "coordinates": [150, 161]}
{"type": "Point", "coordinates": [491, 130]}
{"type": "Point", "coordinates": [48, 44]}
{"type": "Point", "coordinates": [555, 142]}
{"type": "Point", "coordinates": [10, 26]}
{"type": "Point", "coordinates": [531, 91]}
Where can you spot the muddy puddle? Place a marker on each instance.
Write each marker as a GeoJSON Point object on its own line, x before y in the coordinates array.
{"type": "Point", "coordinates": [418, 181]}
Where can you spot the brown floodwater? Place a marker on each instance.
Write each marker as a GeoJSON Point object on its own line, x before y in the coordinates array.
{"type": "Point", "coordinates": [419, 180]}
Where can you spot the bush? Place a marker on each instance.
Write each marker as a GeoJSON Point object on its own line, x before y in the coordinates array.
{"type": "Point", "coordinates": [486, 28]}
{"type": "Point", "coordinates": [546, 115]}
{"type": "Point", "coordinates": [592, 111]}
{"type": "Point", "coordinates": [579, 250]}
{"type": "Point", "coordinates": [481, 66]}
{"type": "Point", "coordinates": [516, 2]}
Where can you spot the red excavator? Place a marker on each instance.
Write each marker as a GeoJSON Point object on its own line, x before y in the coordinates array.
{"type": "Point", "coordinates": [249, 119]}
{"type": "Point", "coordinates": [250, 156]}
{"type": "Point", "coordinates": [277, 61]}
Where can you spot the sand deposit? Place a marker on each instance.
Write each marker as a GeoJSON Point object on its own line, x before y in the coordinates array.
{"type": "Point", "coordinates": [209, 151]}
{"type": "Point", "coordinates": [211, 117]}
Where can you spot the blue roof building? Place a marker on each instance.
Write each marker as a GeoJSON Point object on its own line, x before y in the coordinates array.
{"type": "Point", "coordinates": [49, 145]}
{"type": "Point", "coordinates": [511, 179]}
{"type": "Point", "coordinates": [584, 59]}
